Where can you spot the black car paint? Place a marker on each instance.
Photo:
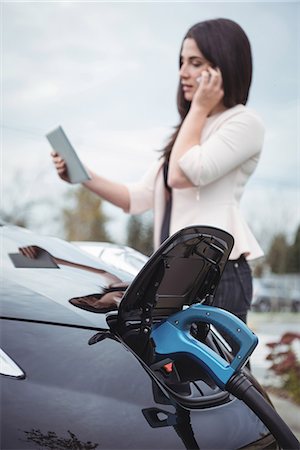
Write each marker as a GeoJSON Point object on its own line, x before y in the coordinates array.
{"type": "Point", "coordinates": [92, 396]}
{"type": "Point", "coordinates": [98, 393]}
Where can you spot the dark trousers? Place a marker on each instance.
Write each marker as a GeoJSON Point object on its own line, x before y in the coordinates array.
{"type": "Point", "coordinates": [234, 292]}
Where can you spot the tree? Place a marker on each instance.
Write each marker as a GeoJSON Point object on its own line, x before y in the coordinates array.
{"type": "Point", "coordinates": [277, 256]}
{"type": "Point", "coordinates": [24, 205]}
{"type": "Point", "coordinates": [140, 234]}
{"type": "Point", "coordinates": [19, 217]}
{"type": "Point", "coordinates": [282, 257]}
{"type": "Point", "coordinates": [84, 220]}
{"type": "Point", "coordinates": [293, 257]}
{"type": "Point", "coordinates": [258, 268]}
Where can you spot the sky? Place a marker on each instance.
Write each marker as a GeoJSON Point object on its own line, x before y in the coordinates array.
{"type": "Point", "coordinates": [107, 72]}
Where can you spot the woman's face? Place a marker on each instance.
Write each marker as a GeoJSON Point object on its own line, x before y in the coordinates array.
{"type": "Point", "coordinates": [192, 64]}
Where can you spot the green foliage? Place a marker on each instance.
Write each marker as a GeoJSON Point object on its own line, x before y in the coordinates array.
{"type": "Point", "coordinates": [277, 256]}
{"type": "Point", "coordinates": [84, 219]}
{"type": "Point", "coordinates": [282, 257]}
{"type": "Point", "coordinates": [285, 364]}
{"type": "Point", "coordinates": [258, 269]}
{"type": "Point", "coordinates": [140, 234]}
{"type": "Point", "coordinates": [292, 384]}
{"type": "Point", "coordinates": [293, 263]}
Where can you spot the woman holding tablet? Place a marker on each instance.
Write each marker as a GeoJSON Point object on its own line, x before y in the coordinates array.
{"type": "Point", "coordinates": [201, 175]}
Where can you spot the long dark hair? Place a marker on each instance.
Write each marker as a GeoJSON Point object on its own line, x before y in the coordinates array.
{"type": "Point", "coordinates": [225, 45]}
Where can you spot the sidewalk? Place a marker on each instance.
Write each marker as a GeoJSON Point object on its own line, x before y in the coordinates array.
{"type": "Point", "coordinates": [289, 412]}
{"type": "Point", "coordinates": [268, 328]}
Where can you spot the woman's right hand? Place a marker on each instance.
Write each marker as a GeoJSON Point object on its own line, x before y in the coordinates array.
{"type": "Point", "coordinates": [210, 93]}
{"type": "Point", "coordinates": [60, 166]}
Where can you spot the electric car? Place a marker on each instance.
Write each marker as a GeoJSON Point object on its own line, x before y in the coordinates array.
{"type": "Point", "coordinates": [79, 367]}
{"type": "Point", "coordinates": [120, 256]}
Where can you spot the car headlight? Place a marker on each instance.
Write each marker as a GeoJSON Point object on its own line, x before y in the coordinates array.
{"type": "Point", "coordinates": [8, 367]}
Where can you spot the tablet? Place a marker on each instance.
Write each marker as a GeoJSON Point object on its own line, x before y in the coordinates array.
{"type": "Point", "coordinates": [61, 144]}
{"type": "Point", "coordinates": [42, 261]}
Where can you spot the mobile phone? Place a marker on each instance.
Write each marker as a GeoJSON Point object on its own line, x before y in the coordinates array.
{"type": "Point", "coordinates": [200, 77]}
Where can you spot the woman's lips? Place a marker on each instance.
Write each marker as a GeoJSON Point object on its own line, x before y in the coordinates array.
{"type": "Point", "coordinates": [187, 87]}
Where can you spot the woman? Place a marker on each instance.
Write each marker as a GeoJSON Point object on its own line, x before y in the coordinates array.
{"type": "Point", "coordinates": [201, 177]}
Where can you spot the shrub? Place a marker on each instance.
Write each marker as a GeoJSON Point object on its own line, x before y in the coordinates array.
{"type": "Point", "coordinates": [285, 364]}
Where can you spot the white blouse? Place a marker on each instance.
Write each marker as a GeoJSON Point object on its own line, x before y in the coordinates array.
{"type": "Point", "coordinates": [219, 168]}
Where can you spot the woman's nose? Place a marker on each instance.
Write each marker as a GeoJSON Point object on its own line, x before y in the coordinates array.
{"type": "Point", "coordinates": [183, 71]}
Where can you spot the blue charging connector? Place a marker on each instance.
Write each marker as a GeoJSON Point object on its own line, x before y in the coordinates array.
{"type": "Point", "coordinates": [173, 336]}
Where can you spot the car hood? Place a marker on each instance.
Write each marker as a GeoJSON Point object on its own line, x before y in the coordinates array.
{"type": "Point", "coordinates": [40, 289]}
{"type": "Point", "coordinates": [186, 269]}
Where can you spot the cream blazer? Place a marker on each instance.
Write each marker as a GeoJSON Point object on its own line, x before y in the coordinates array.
{"type": "Point", "coordinates": [219, 168]}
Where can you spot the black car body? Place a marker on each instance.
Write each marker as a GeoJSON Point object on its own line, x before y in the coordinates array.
{"type": "Point", "coordinates": [87, 378]}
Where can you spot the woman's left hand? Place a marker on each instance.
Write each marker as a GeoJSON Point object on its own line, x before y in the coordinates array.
{"type": "Point", "coordinates": [210, 90]}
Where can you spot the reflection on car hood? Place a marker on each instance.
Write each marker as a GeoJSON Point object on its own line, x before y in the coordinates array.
{"type": "Point", "coordinates": [34, 292]}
